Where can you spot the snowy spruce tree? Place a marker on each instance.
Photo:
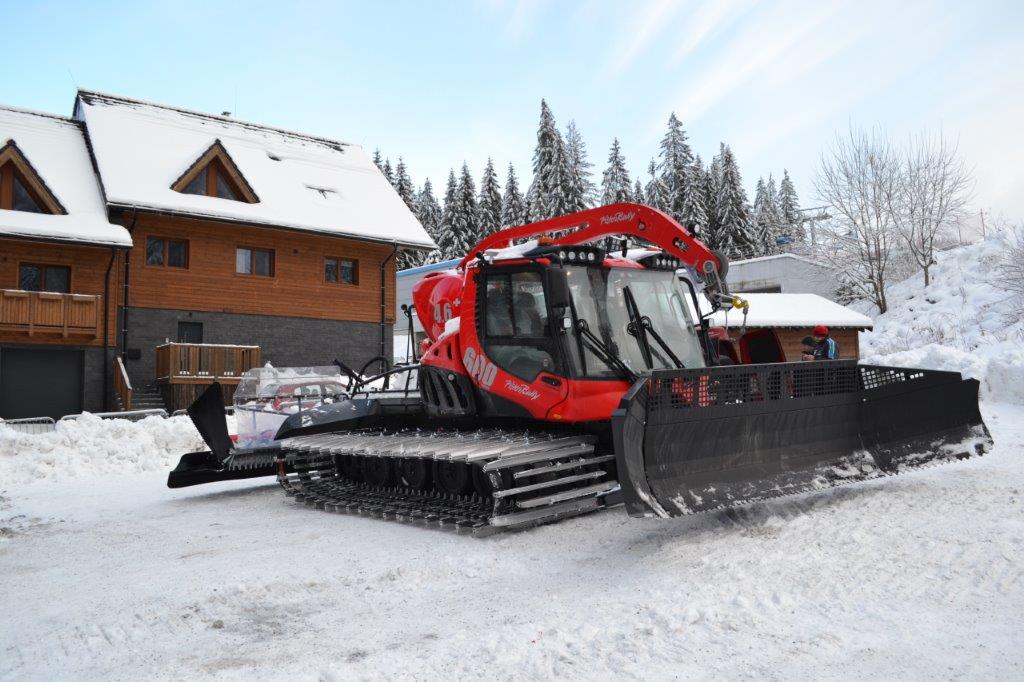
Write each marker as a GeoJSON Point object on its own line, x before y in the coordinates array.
{"type": "Point", "coordinates": [490, 202]}
{"type": "Point", "coordinates": [546, 196]}
{"type": "Point", "coordinates": [388, 173]}
{"type": "Point", "coordinates": [579, 190]}
{"type": "Point", "coordinates": [429, 213]}
{"type": "Point", "coordinates": [735, 231]}
{"type": "Point", "coordinates": [615, 185]}
{"type": "Point", "coordinates": [638, 192]}
{"type": "Point", "coordinates": [712, 235]}
{"type": "Point", "coordinates": [676, 158]}
{"type": "Point", "coordinates": [655, 194]}
{"type": "Point", "coordinates": [775, 215]}
{"type": "Point", "coordinates": [789, 210]}
{"type": "Point", "coordinates": [378, 161]}
{"type": "Point", "coordinates": [403, 185]}
{"type": "Point", "coordinates": [765, 220]}
{"type": "Point", "coordinates": [513, 208]}
{"type": "Point", "coordinates": [449, 240]}
{"type": "Point", "coordinates": [467, 214]}
{"type": "Point", "coordinates": [694, 210]}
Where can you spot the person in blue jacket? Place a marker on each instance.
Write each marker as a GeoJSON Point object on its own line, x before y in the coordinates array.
{"type": "Point", "coordinates": [825, 347]}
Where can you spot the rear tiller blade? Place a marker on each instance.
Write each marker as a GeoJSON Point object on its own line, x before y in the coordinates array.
{"type": "Point", "coordinates": [694, 440]}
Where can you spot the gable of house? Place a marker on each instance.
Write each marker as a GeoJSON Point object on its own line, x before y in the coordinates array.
{"type": "Point", "coordinates": [47, 155]}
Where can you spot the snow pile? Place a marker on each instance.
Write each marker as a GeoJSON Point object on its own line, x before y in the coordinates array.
{"type": "Point", "coordinates": [90, 445]}
{"type": "Point", "coordinates": [961, 322]}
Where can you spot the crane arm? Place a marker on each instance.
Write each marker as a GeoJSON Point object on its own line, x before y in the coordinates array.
{"type": "Point", "coordinates": [635, 220]}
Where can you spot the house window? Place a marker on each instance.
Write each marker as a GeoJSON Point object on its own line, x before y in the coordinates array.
{"type": "Point", "coordinates": [214, 174]}
{"type": "Point", "coordinates": [341, 271]}
{"type": "Point", "coordinates": [172, 253]}
{"type": "Point", "coordinates": [14, 194]}
{"type": "Point", "coordinates": [213, 181]}
{"type": "Point", "coordinates": [55, 278]}
{"type": "Point", "coordinates": [249, 261]}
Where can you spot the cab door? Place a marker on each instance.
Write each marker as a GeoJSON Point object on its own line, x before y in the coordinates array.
{"type": "Point", "coordinates": [518, 338]}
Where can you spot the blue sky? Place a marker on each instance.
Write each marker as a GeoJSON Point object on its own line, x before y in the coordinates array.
{"type": "Point", "coordinates": [443, 82]}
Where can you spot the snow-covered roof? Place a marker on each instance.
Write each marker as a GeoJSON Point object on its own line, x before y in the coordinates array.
{"type": "Point", "coordinates": [793, 310]}
{"type": "Point", "coordinates": [777, 256]}
{"type": "Point", "coordinates": [428, 268]}
{"type": "Point", "coordinates": [303, 182]}
{"type": "Point", "coordinates": [55, 147]}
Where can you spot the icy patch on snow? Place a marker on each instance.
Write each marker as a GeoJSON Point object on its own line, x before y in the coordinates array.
{"type": "Point", "coordinates": [90, 445]}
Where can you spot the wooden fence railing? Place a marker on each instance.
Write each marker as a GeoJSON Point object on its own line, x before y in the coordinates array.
{"type": "Point", "coordinates": [122, 384]}
{"type": "Point", "coordinates": [203, 363]}
{"type": "Point", "coordinates": [43, 312]}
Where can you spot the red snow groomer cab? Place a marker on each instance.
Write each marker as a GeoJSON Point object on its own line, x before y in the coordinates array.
{"type": "Point", "coordinates": [563, 372]}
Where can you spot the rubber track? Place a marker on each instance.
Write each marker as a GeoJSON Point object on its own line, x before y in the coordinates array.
{"type": "Point", "coordinates": [316, 484]}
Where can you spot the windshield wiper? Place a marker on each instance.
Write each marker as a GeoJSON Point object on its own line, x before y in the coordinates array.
{"type": "Point", "coordinates": [639, 326]}
{"type": "Point", "coordinates": [602, 351]}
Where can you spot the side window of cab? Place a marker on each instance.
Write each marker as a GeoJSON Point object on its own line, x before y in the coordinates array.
{"type": "Point", "coordinates": [516, 330]}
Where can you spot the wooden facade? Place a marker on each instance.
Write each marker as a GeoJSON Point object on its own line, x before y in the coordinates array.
{"type": "Point", "coordinates": [75, 318]}
{"type": "Point", "coordinates": [297, 288]}
{"type": "Point", "coordinates": [791, 337]}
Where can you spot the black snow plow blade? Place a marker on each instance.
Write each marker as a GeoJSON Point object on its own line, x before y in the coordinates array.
{"type": "Point", "coordinates": [689, 441]}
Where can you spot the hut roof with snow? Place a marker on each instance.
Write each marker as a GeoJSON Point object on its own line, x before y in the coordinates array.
{"type": "Point", "coordinates": [793, 311]}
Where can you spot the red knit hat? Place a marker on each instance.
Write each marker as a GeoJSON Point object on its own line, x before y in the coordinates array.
{"type": "Point", "coordinates": [821, 330]}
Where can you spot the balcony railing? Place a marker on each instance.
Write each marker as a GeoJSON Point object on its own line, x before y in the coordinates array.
{"type": "Point", "coordinates": [122, 384]}
{"type": "Point", "coordinates": [204, 363]}
{"type": "Point", "coordinates": [42, 312]}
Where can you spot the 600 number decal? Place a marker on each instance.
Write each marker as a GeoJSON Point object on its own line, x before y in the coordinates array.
{"type": "Point", "coordinates": [479, 367]}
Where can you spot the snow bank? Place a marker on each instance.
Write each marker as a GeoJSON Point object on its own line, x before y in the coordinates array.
{"type": "Point", "coordinates": [90, 445]}
{"type": "Point", "coordinates": [960, 322]}
{"type": "Point", "coordinates": [1000, 368]}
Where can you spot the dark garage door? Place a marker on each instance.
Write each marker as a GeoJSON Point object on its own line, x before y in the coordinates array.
{"type": "Point", "coordinates": [40, 382]}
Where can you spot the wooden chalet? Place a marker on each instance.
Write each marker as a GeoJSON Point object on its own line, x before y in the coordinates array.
{"type": "Point", "coordinates": [146, 251]}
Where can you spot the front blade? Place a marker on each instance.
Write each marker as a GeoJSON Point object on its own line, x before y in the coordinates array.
{"type": "Point", "coordinates": [694, 440]}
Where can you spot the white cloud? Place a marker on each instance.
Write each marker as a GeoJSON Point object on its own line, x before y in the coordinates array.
{"type": "Point", "coordinates": [754, 50]}
{"type": "Point", "coordinates": [651, 18]}
{"type": "Point", "coordinates": [706, 22]}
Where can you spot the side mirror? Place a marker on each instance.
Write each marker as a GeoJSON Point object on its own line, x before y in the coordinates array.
{"type": "Point", "coordinates": [558, 292]}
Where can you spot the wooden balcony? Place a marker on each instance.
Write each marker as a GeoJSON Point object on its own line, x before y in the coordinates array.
{"type": "Point", "coordinates": [39, 313]}
{"type": "Point", "coordinates": [204, 363]}
{"type": "Point", "coordinates": [184, 370]}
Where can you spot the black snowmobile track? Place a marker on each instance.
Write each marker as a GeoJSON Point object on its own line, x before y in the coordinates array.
{"type": "Point", "coordinates": [521, 478]}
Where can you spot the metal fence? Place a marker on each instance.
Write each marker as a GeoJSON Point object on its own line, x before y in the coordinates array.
{"type": "Point", "coordinates": [133, 415]}
{"type": "Point", "coordinates": [30, 425]}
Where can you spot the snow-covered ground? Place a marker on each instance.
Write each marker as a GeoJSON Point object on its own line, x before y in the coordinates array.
{"type": "Point", "coordinates": [114, 576]}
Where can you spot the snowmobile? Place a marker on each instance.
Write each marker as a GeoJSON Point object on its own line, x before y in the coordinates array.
{"type": "Point", "coordinates": [561, 374]}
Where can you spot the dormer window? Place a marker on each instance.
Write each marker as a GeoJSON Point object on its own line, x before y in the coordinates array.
{"type": "Point", "coordinates": [21, 188]}
{"type": "Point", "coordinates": [214, 174]}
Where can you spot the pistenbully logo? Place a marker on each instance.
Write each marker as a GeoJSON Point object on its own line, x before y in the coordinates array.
{"type": "Point", "coordinates": [522, 389]}
{"type": "Point", "coordinates": [620, 217]}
